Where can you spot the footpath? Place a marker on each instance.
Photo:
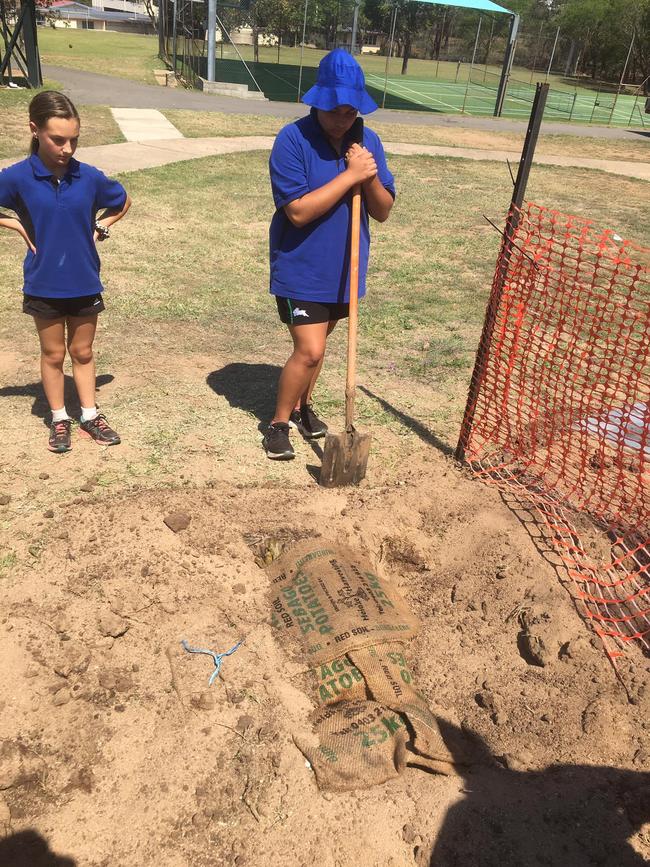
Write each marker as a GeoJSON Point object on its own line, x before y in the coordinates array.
{"type": "Point", "coordinates": [151, 140]}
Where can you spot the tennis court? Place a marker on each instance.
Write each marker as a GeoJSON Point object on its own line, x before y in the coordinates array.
{"type": "Point", "coordinates": [429, 86]}
{"type": "Point", "coordinates": [477, 95]}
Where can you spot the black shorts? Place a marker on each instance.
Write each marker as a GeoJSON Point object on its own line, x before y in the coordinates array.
{"type": "Point", "coordinates": [58, 308]}
{"type": "Point", "coordinates": [293, 312]}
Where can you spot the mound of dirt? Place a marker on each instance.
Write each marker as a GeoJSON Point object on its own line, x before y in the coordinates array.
{"type": "Point", "coordinates": [115, 751]}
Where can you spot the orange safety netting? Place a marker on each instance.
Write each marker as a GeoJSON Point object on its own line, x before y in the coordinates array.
{"type": "Point", "coordinates": [561, 414]}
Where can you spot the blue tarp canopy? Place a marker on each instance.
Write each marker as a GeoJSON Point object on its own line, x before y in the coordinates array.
{"type": "Point", "coordinates": [481, 5]}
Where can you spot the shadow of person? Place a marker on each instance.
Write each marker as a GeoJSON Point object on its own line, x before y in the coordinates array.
{"type": "Point", "coordinates": [563, 816]}
{"type": "Point", "coordinates": [250, 387]}
{"type": "Point", "coordinates": [40, 407]}
{"type": "Point", "coordinates": [29, 849]}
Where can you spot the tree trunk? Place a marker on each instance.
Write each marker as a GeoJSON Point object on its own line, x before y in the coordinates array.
{"type": "Point", "coordinates": [407, 52]}
{"type": "Point", "coordinates": [256, 45]}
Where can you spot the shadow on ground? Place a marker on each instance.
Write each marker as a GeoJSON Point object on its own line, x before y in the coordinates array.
{"type": "Point", "coordinates": [413, 424]}
{"type": "Point", "coordinates": [564, 816]}
{"type": "Point", "coordinates": [40, 407]}
{"type": "Point", "coordinates": [250, 387]}
{"type": "Point", "coordinates": [29, 849]}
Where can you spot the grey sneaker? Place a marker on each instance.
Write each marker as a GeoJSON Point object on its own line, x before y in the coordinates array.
{"type": "Point", "coordinates": [307, 423]}
{"type": "Point", "coordinates": [59, 440]}
{"type": "Point", "coordinates": [99, 430]}
{"type": "Point", "coordinates": [276, 442]}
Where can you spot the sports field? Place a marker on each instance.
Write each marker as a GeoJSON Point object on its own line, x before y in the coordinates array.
{"type": "Point", "coordinates": [432, 86]}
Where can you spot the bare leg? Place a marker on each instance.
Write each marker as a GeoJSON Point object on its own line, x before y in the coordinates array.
{"type": "Point", "coordinates": [81, 333]}
{"type": "Point", "coordinates": [305, 397]}
{"type": "Point", "coordinates": [303, 364]}
{"type": "Point", "coordinates": [51, 334]}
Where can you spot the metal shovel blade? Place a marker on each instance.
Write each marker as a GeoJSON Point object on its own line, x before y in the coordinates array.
{"type": "Point", "coordinates": [345, 458]}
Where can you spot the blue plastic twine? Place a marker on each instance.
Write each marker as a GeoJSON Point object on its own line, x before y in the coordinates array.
{"type": "Point", "coordinates": [216, 657]}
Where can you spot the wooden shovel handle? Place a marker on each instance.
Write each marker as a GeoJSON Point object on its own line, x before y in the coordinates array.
{"type": "Point", "coordinates": [353, 319]}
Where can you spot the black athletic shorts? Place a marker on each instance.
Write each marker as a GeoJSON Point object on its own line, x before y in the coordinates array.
{"type": "Point", "coordinates": [56, 308]}
{"type": "Point", "coordinates": [293, 312]}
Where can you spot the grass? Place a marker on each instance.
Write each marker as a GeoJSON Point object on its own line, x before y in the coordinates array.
{"type": "Point", "coordinates": [191, 336]}
{"type": "Point", "coordinates": [127, 55]}
{"type": "Point", "coordinates": [197, 124]}
{"type": "Point", "coordinates": [135, 57]}
{"type": "Point", "coordinates": [97, 123]}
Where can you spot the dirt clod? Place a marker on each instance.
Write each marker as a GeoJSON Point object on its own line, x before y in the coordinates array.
{"type": "Point", "coordinates": [177, 521]}
{"type": "Point", "coordinates": [110, 624]}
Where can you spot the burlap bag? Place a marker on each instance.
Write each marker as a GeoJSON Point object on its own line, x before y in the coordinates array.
{"type": "Point", "coordinates": [326, 601]}
{"type": "Point", "coordinates": [351, 626]}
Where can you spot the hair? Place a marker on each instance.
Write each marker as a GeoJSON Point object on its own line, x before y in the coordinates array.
{"type": "Point", "coordinates": [48, 104]}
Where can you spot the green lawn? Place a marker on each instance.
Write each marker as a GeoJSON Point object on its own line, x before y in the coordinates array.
{"type": "Point", "coordinates": [127, 55]}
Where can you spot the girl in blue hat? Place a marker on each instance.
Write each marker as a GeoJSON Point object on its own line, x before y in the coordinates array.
{"type": "Point", "coordinates": [314, 165]}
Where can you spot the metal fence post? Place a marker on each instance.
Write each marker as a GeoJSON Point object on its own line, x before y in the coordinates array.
{"type": "Point", "coordinates": [519, 191]}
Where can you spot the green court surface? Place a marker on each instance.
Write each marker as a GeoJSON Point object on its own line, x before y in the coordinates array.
{"type": "Point", "coordinates": [432, 86]}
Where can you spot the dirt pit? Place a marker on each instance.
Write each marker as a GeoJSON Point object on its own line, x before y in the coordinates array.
{"type": "Point", "coordinates": [115, 751]}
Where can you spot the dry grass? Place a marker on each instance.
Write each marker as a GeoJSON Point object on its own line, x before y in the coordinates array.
{"type": "Point", "coordinates": [187, 297]}
{"type": "Point", "coordinates": [97, 128]}
{"type": "Point", "coordinates": [197, 124]}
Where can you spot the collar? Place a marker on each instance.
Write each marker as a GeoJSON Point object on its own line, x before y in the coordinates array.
{"type": "Point", "coordinates": [40, 171]}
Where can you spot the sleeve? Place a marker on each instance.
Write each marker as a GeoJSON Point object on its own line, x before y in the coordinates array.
{"type": "Point", "coordinates": [383, 172]}
{"type": "Point", "coordinates": [287, 168]}
{"type": "Point", "coordinates": [109, 193]}
{"type": "Point", "coordinates": [7, 190]}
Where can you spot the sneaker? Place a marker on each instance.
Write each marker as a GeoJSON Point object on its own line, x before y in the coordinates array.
{"type": "Point", "coordinates": [276, 442]}
{"type": "Point", "coordinates": [59, 440]}
{"type": "Point", "coordinates": [99, 430]}
{"type": "Point", "coordinates": [307, 423]}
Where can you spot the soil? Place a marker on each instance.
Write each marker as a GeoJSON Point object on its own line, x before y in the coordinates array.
{"type": "Point", "coordinates": [115, 751]}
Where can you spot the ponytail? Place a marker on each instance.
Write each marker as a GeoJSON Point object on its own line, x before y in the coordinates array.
{"type": "Point", "coordinates": [48, 104]}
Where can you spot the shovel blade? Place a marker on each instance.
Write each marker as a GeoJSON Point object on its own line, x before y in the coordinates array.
{"type": "Point", "coordinates": [345, 458]}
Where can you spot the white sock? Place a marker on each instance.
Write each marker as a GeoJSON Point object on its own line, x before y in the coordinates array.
{"type": "Point", "coordinates": [59, 415]}
{"type": "Point", "coordinates": [88, 413]}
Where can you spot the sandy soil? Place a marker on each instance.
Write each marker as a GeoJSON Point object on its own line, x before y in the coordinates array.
{"type": "Point", "coordinates": [114, 750]}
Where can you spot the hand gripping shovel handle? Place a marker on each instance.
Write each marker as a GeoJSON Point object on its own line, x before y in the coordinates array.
{"type": "Point", "coordinates": [353, 316]}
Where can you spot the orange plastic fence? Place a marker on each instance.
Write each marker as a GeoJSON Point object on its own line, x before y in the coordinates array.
{"type": "Point", "coordinates": [562, 414]}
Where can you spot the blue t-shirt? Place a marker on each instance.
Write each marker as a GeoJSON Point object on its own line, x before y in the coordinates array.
{"type": "Point", "coordinates": [59, 219]}
{"type": "Point", "coordinates": [312, 263]}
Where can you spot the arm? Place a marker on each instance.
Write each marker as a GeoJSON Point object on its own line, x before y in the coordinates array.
{"type": "Point", "coordinates": [14, 223]}
{"type": "Point", "coordinates": [112, 215]}
{"type": "Point", "coordinates": [304, 210]}
{"type": "Point", "coordinates": [378, 200]}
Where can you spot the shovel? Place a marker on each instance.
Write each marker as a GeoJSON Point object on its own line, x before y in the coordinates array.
{"type": "Point", "coordinates": [345, 456]}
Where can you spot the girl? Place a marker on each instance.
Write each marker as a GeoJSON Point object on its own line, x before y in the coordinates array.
{"type": "Point", "coordinates": [57, 199]}
{"type": "Point", "coordinates": [314, 165]}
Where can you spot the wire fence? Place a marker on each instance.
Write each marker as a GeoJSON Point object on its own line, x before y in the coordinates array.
{"type": "Point", "coordinates": [562, 419]}
{"type": "Point", "coordinates": [453, 63]}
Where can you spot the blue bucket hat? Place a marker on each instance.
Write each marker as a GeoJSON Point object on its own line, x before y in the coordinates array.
{"type": "Point", "coordinates": [340, 82]}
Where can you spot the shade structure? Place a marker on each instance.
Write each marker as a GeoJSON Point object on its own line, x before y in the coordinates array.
{"type": "Point", "coordinates": [479, 5]}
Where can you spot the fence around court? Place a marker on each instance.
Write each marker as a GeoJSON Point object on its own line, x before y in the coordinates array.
{"type": "Point", "coordinates": [561, 420]}
{"type": "Point", "coordinates": [456, 73]}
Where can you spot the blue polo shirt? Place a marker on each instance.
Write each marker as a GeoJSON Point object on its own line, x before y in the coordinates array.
{"type": "Point", "coordinates": [59, 219]}
{"type": "Point", "coordinates": [312, 263]}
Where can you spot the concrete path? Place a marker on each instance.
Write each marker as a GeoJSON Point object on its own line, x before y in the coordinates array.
{"type": "Point", "coordinates": [133, 156]}
{"type": "Point", "coordinates": [89, 88]}
{"type": "Point", "coordinates": [144, 124]}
